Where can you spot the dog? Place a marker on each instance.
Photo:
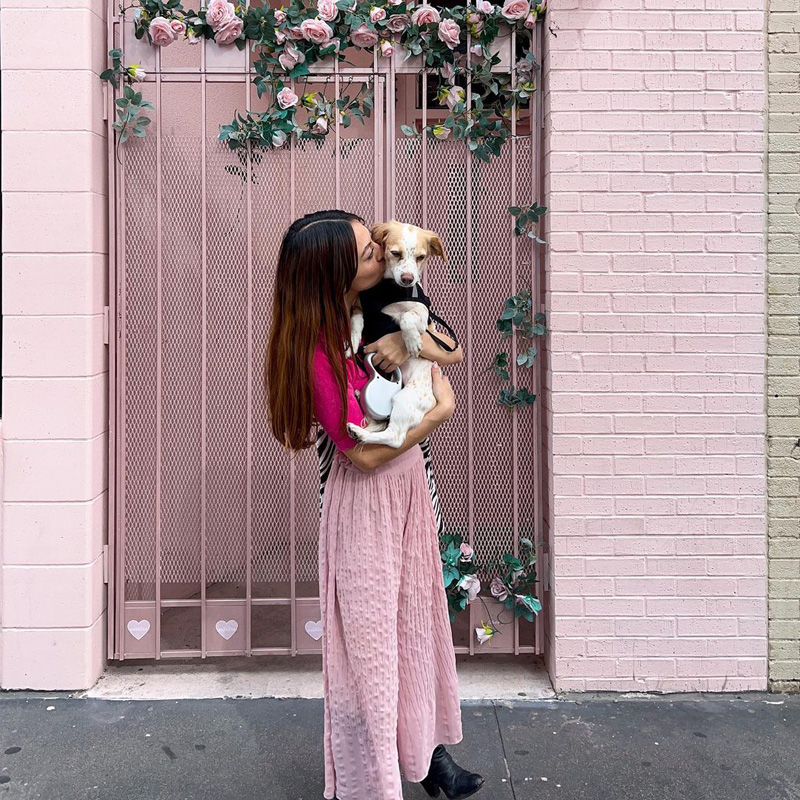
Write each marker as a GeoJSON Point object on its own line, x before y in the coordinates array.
{"type": "Point", "coordinates": [398, 302]}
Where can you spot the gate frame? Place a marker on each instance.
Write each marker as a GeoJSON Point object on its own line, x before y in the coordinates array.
{"type": "Point", "coordinates": [385, 197]}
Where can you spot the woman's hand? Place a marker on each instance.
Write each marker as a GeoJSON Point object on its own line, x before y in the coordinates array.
{"type": "Point", "coordinates": [390, 352]}
{"type": "Point", "coordinates": [443, 392]}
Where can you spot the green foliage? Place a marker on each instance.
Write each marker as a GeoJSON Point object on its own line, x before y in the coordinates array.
{"type": "Point", "coordinates": [130, 121]}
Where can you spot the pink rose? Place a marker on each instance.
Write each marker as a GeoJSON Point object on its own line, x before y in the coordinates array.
{"type": "Point", "coordinates": [424, 15]}
{"type": "Point", "coordinates": [290, 57]}
{"type": "Point", "coordinates": [455, 96]}
{"type": "Point", "coordinates": [219, 12]}
{"type": "Point", "coordinates": [387, 49]}
{"type": "Point", "coordinates": [280, 16]}
{"type": "Point", "coordinates": [294, 33]}
{"type": "Point", "coordinates": [448, 71]}
{"type": "Point", "coordinates": [395, 2]}
{"type": "Point", "coordinates": [376, 14]}
{"type": "Point", "coordinates": [515, 9]}
{"type": "Point", "coordinates": [229, 31]}
{"type": "Point", "coordinates": [280, 36]}
{"type": "Point", "coordinates": [193, 38]}
{"type": "Point", "coordinates": [327, 10]}
{"type": "Point", "coordinates": [530, 21]}
{"type": "Point", "coordinates": [320, 125]}
{"type": "Point", "coordinates": [485, 7]}
{"type": "Point", "coordinates": [161, 31]}
{"type": "Point", "coordinates": [466, 552]}
{"type": "Point", "coordinates": [363, 36]}
{"type": "Point", "coordinates": [316, 30]}
{"type": "Point", "coordinates": [178, 27]}
{"type": "Point", "coordinates": [287, 98]}
{"type": "Point", "coordinates": [498, 589]}
{"type": "Point", "coordinates": [397, 23]}
{"type": "Point", "coordinates": [476, 49]}
{"type": "Point", "coordinates": [449, 32]}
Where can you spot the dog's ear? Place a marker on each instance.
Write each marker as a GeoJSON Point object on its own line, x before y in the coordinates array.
{"type": "Point", "coordinates": [379, 232]}
{"type": "Point", "coordinates": [435, 245]}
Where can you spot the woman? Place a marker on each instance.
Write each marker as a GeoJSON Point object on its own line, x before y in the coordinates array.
{"type": "Point", "coordinates": [388, 664]}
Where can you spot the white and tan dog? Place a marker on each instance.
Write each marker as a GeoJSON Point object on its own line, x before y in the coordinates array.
{"type": "Point", "coordinates": [406, 249]}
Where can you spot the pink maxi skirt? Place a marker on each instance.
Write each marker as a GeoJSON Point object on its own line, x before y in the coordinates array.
{"type": "Point", "coordinates": [388, 664]}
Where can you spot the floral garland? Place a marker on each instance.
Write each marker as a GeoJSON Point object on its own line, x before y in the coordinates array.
{"type": "Point", "coordinates": [288, 41]}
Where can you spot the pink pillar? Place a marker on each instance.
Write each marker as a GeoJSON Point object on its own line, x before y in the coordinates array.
{"type": "Point", "coordinates": [655, 292]}
{"type": "Point", "coordinates": [54, 429]}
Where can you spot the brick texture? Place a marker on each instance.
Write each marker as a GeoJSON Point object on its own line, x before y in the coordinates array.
{"type": "Point", "coordinates": [783, 362]}
{"type": "Point", "coordinates": [656, 418]}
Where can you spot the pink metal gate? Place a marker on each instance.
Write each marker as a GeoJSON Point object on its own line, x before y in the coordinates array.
{"type": "Point", "coordinates": [213, 527]}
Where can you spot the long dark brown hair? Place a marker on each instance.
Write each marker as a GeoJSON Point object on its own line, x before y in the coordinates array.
{"type": "Point", "coordinates": [317, 264]}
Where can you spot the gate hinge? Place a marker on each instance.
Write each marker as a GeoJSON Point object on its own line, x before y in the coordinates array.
{"type": "Point", "coordinates": [105, 563]}
{"type": "Point", "coordinates": [105, 324]}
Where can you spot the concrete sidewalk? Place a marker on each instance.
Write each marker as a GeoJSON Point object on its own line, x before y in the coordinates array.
{"type": "Point", "coordinates": [60, 747]}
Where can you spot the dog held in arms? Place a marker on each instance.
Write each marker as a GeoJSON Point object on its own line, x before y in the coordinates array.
{"type": "Point", "coordinates": [398, 302]}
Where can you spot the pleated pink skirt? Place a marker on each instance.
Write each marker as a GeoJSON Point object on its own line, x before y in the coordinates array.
{"type": "Point", "coordinates": [388, 664]}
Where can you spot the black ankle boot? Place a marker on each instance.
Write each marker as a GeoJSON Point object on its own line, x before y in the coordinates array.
{"type": "Point", "coordinates": [446, 775]}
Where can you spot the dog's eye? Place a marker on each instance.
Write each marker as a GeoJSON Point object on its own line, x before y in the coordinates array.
{"type": "Point", "coordinates": [420, 258]}
{"type": "Point", "coordinates": [396, 253]}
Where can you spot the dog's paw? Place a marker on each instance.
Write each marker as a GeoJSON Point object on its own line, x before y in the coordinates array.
{"type": "Point", "coordinates": [356, 431]}
{"type": "Point", "coordinates": [413, 342]}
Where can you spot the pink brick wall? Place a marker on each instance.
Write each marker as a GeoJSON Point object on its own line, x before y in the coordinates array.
{"type": "Point", "coordinates": [656, 511]}
{"type": "Point", "coordinates": [55, 417]}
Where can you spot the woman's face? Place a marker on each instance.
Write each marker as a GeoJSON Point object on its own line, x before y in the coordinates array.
{"type": "Point", "coordinates": [370, 261]}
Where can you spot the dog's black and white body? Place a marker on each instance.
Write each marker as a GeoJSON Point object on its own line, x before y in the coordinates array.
{"type": "Point", "coordinates": [398, 303]}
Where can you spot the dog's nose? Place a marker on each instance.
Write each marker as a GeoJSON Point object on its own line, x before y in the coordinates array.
{"type": "Point", "coordinates": [407, 279]}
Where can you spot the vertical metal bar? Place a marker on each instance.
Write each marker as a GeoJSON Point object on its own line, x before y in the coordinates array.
{"type": "Point", "coordinates": [378, 131]}
{"type": "Point", "coordinates": [249, 172]}
{"type": "Point", "coordinates": [292, 468]}
{"type": "Point", "coordinates": [470, 365]}
{"type": "Point", "coordinates": [204, 355]}
{"type": "Point", "coordinates": [391, 133]}
{"type": "Point", "coordinates": [116, 599]}
{"type": "Point", "coordinates": [537, 186]}
{"type": "Point", "coordinates": [424, 157]}
{"type": "Point", "coordinates": [515, 415]}
{"type": "Point", "coordinates": [337, 132]}
{"type": "Point", "coordinates": [159, 266]}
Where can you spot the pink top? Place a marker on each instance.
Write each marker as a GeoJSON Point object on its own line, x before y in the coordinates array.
{"type": "Point", "coordinates": [327, 405]}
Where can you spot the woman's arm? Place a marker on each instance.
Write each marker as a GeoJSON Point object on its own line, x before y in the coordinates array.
{"type": "Point", "coordinates": [369, 456]}
{"type": "Point", "coordinates": [432, 351]}
{"type": "Point", "coordinates": [391, 350]}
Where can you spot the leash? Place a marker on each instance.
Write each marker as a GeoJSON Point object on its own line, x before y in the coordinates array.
{"type": "Point", "coordinates": [432, 315]}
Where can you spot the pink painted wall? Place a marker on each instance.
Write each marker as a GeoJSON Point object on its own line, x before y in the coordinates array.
{"type": "Point", "coordinates": [656, 363]}
{"type": "Point", "coordinates": [52, 631]}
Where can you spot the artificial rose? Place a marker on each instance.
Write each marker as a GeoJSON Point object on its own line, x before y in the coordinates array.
{"type": "Point", "coordinates": [279, 138]}
{"type": "Point", "coordinates": [161, 31]}
{"type": "Point", "coordinates": [395, 2]}
{"type": "Point", "coordinates": [484, 633]}
{"type": "Point", "coordinates": [219, 12]}
{"type": "Point", "coordinates": [280, 36]}
{"type": "Point", "coordinates": [455, 95]}
{"type": "Point", "coordinates": [515, 9]}
{"type": "Point", "coordinates": [286, 98]}
{"type": "Point", "coordinates": [530, 21]}
{"type": "Point", "coordinates": [397, 23]}
{"type": "Point", "coordinates": [485, 7]}
{"type": "Point", "coordinates": [280, 16]}
{"type": "Point", "coordinates": [193, 38]}
{"type": "Point", "coordinates": [498, 589]}
{"type": "Point", "coordinates": [466, 549]}
{"type": "Point", "coordinates": [376, 14]}
{"type": "Point", "coordinates": [290, 57]}
{"type": "Point", "coordinates": [476, 50]}
{"type": "Point", "coordinates": [363, 36]}
{"type": "Point", "coordinates": [440, 132]}
{"type": "Point", "coordinates": [448, 72]}
{"type": "Point", "coordinates": [425, 15]}
{"type": "Point", "coordinates": [327, 10]}
{"type": "Point", "coordinates": [471, 585]}
{"type": "Point", "coordinates": [316, 30]}
{"type": "Point", "coordinates": [320, 125]}
{"type": "Point", "coordinates": [178, 27]}
{"type": "Point", "coordinates": [387, 49]}
{"type": "Point", "coordinates": [295, 33]}
{"type": "Point", "coordinates": [229, 31]}
{"type": "Point", "coordinates": [449, 32]}
{"type": "Point", "coordinates": [473, 18]}
{"type": "Point", "coordinates": [136, 72]}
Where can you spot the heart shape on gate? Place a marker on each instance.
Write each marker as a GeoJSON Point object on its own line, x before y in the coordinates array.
{"type": "Point", "coordinates": [226, 629]}
{"type": "Point", "coordinates": [314, 629]}
{"type": "Point", "coordinates": [138, 628]}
